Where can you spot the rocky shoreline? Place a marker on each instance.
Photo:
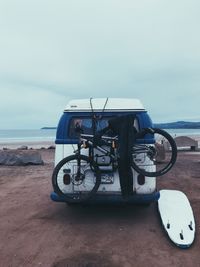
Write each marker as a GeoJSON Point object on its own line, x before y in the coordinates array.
{"type": "Point", "coordinates": [22, 154]}
{"type": "Point", "coordinates": [27, 145]}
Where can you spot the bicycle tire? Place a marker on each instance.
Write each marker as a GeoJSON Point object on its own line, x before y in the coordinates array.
{"type": "Point", "coordinates": [76, 191]}
{"type": "Point", "coordinates": [172, 149]}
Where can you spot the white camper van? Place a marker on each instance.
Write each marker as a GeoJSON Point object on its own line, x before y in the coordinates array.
{"type": "Point", "coordinates": [107, 151]}
{"type": "Point", "coordinates": [88, 171]}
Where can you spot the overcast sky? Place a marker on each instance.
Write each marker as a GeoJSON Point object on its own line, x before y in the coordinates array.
{"type": "Point", "coordinates": [53, 51]}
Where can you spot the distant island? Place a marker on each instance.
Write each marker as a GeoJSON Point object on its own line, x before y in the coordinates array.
{"type": "Point", "coordinates": [178, 125]}
{"type": "Point", "coordinates": [48, 128]}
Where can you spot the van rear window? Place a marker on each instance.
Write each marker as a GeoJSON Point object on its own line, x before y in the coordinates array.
{"type": "Point", "coordinates": [85, 126]}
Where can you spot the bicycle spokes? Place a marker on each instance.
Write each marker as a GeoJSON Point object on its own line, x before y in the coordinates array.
{"type": "Point", "coordinates": [73, 178]}
{"type": "Point", "coordinates": [157, 158]}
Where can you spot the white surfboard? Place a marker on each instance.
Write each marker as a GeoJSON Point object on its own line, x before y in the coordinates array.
{"type": "Point", "coordinates": [177, 217]}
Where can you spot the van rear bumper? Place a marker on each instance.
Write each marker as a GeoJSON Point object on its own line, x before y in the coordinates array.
{"type": "Point", "coordinates": [114, 198]}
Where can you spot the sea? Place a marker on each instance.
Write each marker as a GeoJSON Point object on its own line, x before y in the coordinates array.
{"type": "Point", "coordinates": [40, 135]}
{"type": "Point", "coordinates": [183, 132]}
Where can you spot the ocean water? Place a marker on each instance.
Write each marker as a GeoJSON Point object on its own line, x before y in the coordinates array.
{"type": "Point", "coordinates": [12, 136]}
{"type": "Point", "coordinates": [180, 132]}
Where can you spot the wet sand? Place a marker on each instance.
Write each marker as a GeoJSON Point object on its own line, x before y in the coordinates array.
{"type": "Point", "coordinates": [34, 231]}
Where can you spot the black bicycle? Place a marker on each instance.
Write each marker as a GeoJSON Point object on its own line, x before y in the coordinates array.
{"type": "Point", "coordinates": [76, 178]}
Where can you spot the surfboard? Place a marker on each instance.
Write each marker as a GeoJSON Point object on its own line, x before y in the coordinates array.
{"type": "Point", "coordinates": [177, 217]}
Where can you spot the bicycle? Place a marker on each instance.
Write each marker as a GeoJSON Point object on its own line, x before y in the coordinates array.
{"type": "Point", "coordinates": [77, 178]}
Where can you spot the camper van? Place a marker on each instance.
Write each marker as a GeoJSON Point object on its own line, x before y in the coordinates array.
{"type": "Point", "coordinates": [107, 151]}
{"type": "Point", "coordinates": [81, 111]}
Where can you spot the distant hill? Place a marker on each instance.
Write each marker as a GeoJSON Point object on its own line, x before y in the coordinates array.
{"type": "Point", "coordinates": [178, 125]}
{"type": "Point", "coordinates": [48, 128]}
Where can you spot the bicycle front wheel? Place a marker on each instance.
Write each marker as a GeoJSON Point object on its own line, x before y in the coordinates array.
{"type": "Point", "coordinates": [73, 179]}
{"type": "Point", "coordinates": [157, 158]}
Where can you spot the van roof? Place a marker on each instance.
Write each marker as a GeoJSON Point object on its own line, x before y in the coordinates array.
{"type": "Point", "coordinates": [98, 104]}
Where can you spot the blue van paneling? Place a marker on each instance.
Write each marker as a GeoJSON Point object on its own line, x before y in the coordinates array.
{"type": "Point", "coordinates": [63, 122]}
{"type": "Point", "coordinates": [115, 199]}
{"type": "Point", "coordinates": [62, 136]}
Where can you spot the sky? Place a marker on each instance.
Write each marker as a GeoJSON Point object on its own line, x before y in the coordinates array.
{"type": "Point", "coordinates": [55, 51]}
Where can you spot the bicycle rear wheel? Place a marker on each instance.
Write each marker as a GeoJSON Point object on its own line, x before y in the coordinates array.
{"type": "Point", "coordinates": [157, 158]}
{"type": "Point", "coordinates": [73, 179]}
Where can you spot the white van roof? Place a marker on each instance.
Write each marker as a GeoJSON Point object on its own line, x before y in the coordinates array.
{"type": "Point", "coordinates": [98, 104]}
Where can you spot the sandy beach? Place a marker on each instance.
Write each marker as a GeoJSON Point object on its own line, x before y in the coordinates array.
{"type": "Point", "coordinates": [38, 232]}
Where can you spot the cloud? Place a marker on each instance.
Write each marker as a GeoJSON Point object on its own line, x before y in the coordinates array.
{"type": "Point", "coordinates": [54, 51]}
{"type": "Point", "coordinates": [29, 109]}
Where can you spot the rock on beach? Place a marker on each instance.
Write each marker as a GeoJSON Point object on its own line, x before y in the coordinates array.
{"type": "Point", "coordinates": [20, 158]}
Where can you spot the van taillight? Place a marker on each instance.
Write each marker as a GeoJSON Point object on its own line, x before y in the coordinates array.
{"type": "Point", "coordinates": [141, 179]}
{"type": "Point", "coordinates": [66, 179]}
